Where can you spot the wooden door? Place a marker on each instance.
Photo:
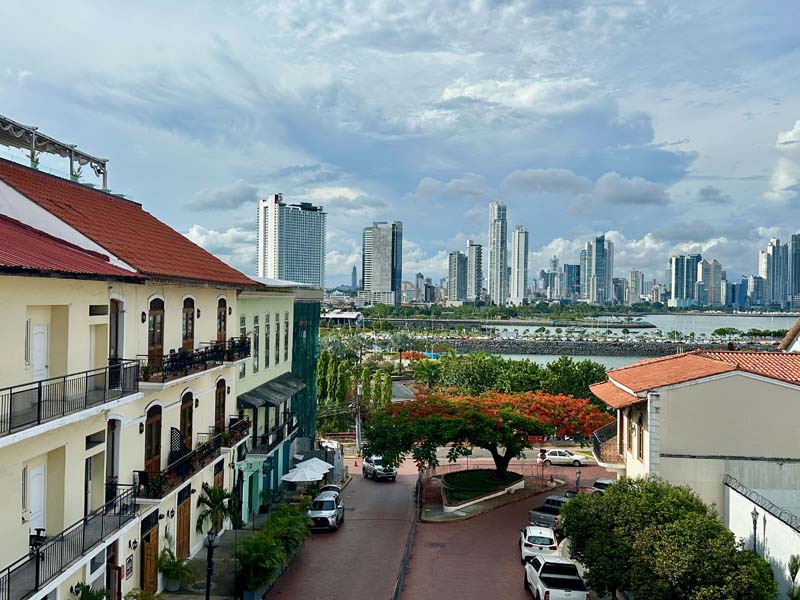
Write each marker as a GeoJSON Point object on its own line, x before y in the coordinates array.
{"type": "Point", "coordinates": [184, 520]}
{"type": "Point", "coordinates": [152, 440]}
{"type": "Point", "coordinates": [150, 561]}
{"type": "Point", "coordinates": [222, 320]}
{"type": "Point", "coordinates": [114, 582]}
{"type": "Point", "coordinates": [219, 475]}
{"type": "Point", "coordinates": [187, 410]}
{"type": "Point", "coordinates": [219, 406]}
{"type": "Point", "coordinates": [187, 326]}
{"type": "Point", "coordinates": [155, 334]}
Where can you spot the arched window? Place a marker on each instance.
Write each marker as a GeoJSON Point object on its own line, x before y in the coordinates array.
{"type": "Point", "coordinates": [155, 333]}
{"type": "Point", "coordinates": [222, 320]}
{"type": "Point", "coordinates": [152, 440]}
{"type": "Point", "coordinates": [640, 438]}
{"type": "Point", "coordinates": [187, 328]}
{"type": "Point", "coordinates": [187, 409]}
{"type": "Point", "coordinates": [219, 406]}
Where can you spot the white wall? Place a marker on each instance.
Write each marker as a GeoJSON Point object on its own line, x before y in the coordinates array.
{"type": "Point", "coordinates": [775, 541]}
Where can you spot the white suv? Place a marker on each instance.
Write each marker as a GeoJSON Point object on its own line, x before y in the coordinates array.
{"type": "Point", "coordinates": [562, 457]}
{"type": "Point", "coordinates": [536, 540]}
{"type": "Point", "coordinates": [327, 511]}
{"type": "Point", "coordinates": [373, 467]}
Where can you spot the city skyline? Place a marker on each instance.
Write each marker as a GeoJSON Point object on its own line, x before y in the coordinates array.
{"type": "Point", "coordinates": [577, 142]}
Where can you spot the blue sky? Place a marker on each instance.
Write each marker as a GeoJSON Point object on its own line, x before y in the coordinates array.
{"type": "Point", "coordinates": [670, 126]}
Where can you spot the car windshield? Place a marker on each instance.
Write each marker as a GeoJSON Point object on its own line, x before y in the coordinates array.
{"type": "Point", "coordinates": [601, 485]}
{"type": "Point", "coordinates": [540, 540]}
{"type": "Point", "coordinates": [377, 462]}
{"type": "Point", "coordinates": [322, 505]}
{"type": "Point", "coordinates": [568, 453]}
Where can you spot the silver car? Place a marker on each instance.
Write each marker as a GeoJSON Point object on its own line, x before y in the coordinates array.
{"type": "Point", "coordinates": [373, 467]}
{"type": "Point", "coordinates": [562, 457]}
{"type": "Point", "coordinates": [327, 511]}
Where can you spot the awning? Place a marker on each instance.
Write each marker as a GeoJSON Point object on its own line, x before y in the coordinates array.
{"type": "Point", "coordinates": [274, 392]}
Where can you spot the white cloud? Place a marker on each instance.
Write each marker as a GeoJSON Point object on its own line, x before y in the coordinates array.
{"type": "Point", "coordinates": [556, 181]}
{"type": "Point", "coordinates": [613, 188]}
{"type": "Point", "coordinates": [236, 246]}
{"type": "Point", "coordinates": [785, 182]}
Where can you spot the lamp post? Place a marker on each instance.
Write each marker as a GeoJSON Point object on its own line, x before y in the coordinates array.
{"type": "Point", "coordinates": [359, 393]}
{"type": "Point", "coordinates": [212, 537]}
{"type": "Point", "coordinates": [754, 514]}
{"type": "Point", "coordinates": [578, 481]}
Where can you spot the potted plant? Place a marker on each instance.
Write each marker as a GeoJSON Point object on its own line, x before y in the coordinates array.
{"type": "Point", "coordinates": [217, 506]}
{"type": "Point", "coordinates": [147, 371]}
{"type": "Point", "coordinates": [259, 560]}
{"type": "Point", "coordinates": [85, 592]}
{"type": "Point", "coordinates": [177, 571]}
{"type": "Point", "coordinates": [227, 438]}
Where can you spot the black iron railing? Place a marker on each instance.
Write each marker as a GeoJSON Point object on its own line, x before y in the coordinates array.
{"type": "Point", "coordinates": [50, 556]}
{"type": "Point", "coordinates": [182, 362]}
{"type": "Point", "coordinates": [601, 436]}
{"type": "Point", "coordinates": [267, 442]}
{"type": "Point", "coordinates": [209, 447]}
{"type": "Point", "coordinates": [30, 404]}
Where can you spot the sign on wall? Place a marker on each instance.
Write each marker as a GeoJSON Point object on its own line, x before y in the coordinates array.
{"type": "Point", "coordinates": [129, 567]}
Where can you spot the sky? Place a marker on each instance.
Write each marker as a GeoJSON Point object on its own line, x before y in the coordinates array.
{"type": "Point", "coordinates": [671, 127]}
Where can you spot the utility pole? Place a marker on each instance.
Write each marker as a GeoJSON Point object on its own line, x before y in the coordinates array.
{"type": "Point", "coordinates": [359, 392]}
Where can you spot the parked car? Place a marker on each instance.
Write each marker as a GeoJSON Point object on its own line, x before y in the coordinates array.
{"type": "Point", "coordinates": [585, 489]}
{"type": "Point", "coordinates": [327, 511]}
{"type": "Point", "coordinates": [331, 487]}
{"type": "Point", "coordinates": [373, 467]}
{"type": "Point", "coordinates": [562, 457]}
{"type": "Point", "coordinates": [554, 578]}
{"type": "Point", "coordinates": [536, 540]}
{"type": "Point", "coordinates": [599, 486]}
{"type": "Point", "coordinates": [547, 515]}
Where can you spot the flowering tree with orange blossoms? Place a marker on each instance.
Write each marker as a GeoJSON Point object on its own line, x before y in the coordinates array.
{"type": "Point", "coordinates": [499, 423]}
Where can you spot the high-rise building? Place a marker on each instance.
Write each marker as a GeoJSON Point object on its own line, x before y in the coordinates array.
{"type": "Point", "coordinates": [709, 273]}
{"type": "Point", "coordinates": [474, 271]}
{"type": "Point", "coordinates": [599, 258]}
{"type": "Point", "coordinates": [457, 277]}
{"type": "Point", "coordinates": [756, 290]}
{"type": "Point", "coordinates": [291, 241]}
{"type": "Point", "coordinates": [519, 265]}
{"type": "Point", "coordinates": [585, 268]}
{"type": "Point", "coordinates": [382, 263]}
{"type": "Point", "coordinates": [794, 265]}
{"type": "Point", "coordinates": [571, 282]}
{"type": "Point", "coordinates": [683, 271]}
{"type": "Point", "coordinates": [497, 271]}
{"type": "Point", "coordinates": [773, 266]}
{"type": "Point", "coordinates": [354, 278]}
{"type": "Point", "coordinates": [620, 285]}
{"type": "Point", "coordinates": [635, 287]}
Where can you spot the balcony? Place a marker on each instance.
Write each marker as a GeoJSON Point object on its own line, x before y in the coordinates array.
{"type": "Point", "coordinates": [31, 404]}
{"type": "Point", "coordinates": [262, 445]}
{"type": "Point", "coordinates": [605, 447]}
{"type": "Point", "coordinates": [52, 555]}
{"type": "Point", "coordinates": [182, 363]}
{"type": "Point", "coordinates": [155, 486]}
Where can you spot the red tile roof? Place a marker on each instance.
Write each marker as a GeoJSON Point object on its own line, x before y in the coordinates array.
{"type": "Point", "coordinates": [23, 248]}
{"type": "Point", "coordinates": [121, 227]}
{"type": "Point", "coordinates": [667, 370]}
{"type": "Point", "coordinates": [775, 365]}
{"type": "Point", "coordinates": [614, 396]}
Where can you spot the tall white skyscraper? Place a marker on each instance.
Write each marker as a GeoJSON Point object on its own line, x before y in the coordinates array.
{"type": "Point", "coordinates": [382, 263]}
{"type": "Point", "coordinates": [519, 265]}
{"type": "Point", "coordinates": [683, 273]}
{"type": "Point", "coordinates": [457, 276]}
{"type": "Point", "coordinates": [599, 259]}
{"type": "Point", "coordinates": [498, 253]}
{"type": "Point", "coordinates": [291, 241]}
{"type": "Point", "coordinates": [709, 273]}
{"type": "Point", "coordinates": [773, 267]}
{"type": "Point", "coordinates": [635, 287]}
{"type": "Point", "coordinates": [474, 271]}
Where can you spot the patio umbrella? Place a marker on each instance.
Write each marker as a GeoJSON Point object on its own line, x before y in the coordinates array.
{"type": "Point", "coordinates": [317, 464]}
{"type": "Point", "coordinates": [302, 475]}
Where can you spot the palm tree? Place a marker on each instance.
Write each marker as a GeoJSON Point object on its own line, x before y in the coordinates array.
{"type": "Point", "coordinates": [218, 505]}
{"type": "Point", "coordinates": [429, 371]}
{"type": "Point", "coordinates": [794, 568]}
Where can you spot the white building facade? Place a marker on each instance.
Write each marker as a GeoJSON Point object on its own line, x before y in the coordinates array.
{"type": "Point", "coordinates": [498, 254]}
{"type": "Point", "coordinates": [519, 265]}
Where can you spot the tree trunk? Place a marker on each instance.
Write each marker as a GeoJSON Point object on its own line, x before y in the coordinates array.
{"type": "Point", "coordinates": [501, 461]}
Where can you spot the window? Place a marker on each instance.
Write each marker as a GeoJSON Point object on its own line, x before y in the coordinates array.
{"type": "Point", "coordinates": [187, 408]}
{"type": "Point", "coordinates": [267, 344]}
{"type": "Point", "coordinates": [25, 488]}
{"type": "Point", "coordinates": [222, 319]}
{"type": "Point", "coordinates": [286, 336]}
{"type": "Point", "coordinates": [242, 334]}
{"type": "Point", "coordinates": [187, 325]}
{"type": "Point", "coordinates": [277, 338]}
{"type": "Point", "coordinates": [630, 432]}
{"type": "Point", "coordinates": [640, 439]}
{"type": "Point", "coordinates": [255, 344]}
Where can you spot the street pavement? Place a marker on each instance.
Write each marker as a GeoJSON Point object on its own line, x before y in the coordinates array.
{"type": "Point", "coordinates": [360, 560]}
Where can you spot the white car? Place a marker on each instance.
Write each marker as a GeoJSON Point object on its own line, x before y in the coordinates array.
{"type": "Point", "coordinates": [600, 485]}
{"type": "Point", "coordinates": [536, 540]}
{"type": "Point", "coordinates": [562, 457]}
{"type": "Point", "coordinates": [554, 578]}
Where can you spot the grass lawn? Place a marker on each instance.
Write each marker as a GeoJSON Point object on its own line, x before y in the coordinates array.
{"type": "Point", "coordinates": [466, 485]}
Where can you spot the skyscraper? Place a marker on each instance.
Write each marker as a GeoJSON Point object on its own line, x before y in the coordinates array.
{"type": "Point", "coordinates": [457, 276]}
{"type": "Point", "coordinates": [571, 282]}
{"type": "Point", "coordinates": [794, 265]}
{"type": "Point", "coordinates": [635, 287]}
{"type": "Point", "coordinates": [474, 271]}
{"type": "Point", "coordinates": [382, 263]}
{"type": "Point", "coordinates": [585, 269]}
{"type": "Point", "coordinates": [519, 265]}
{"type": "Point", "coordinates": [709, 273]}
{"type": "Point", "coordinates": [291, 241]}
{"type": "Point", "coordinates": [498, 253]}
{"type": "Point", "coordinates": [599, 257]}
{"type": "Point", "coordinates": [683, 271]}
{"type": "Point", "coordinates": [773, 267]}
{"type": "Point", "coordinates": [354, 278]}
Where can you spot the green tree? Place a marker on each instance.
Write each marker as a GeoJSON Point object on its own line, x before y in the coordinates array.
{"type": "Point", "coordinates": [322, 374]}
{"type": "Point", "coordinates": [401, 342]}
{"type": "Point", "coordinates": [565, 376]}
{"type": "Point", "coordinates": [428, 371]}
{"type": "Point", "coordinates": [366, 385]}
{"type": "Point", "coordinates": [333, 378]}
{"type": "Point", "coordinates": [343, 383]}
{"type": "Point", "coordinates": [387, 388]}
{"type": "Point", "coordinates": [793, 567]}
{"type": "Point", "coordinates": [518, 376]}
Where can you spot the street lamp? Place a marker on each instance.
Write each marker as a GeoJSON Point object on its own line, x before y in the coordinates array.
{"type": "Point", "coordinates": [754, 514]}
{"type": "Point", "coordinates": [359, 393]}
{"type": "Point", "coordinates": [212, 538]}
{"type": "Point", "coordinates": [578, 481]}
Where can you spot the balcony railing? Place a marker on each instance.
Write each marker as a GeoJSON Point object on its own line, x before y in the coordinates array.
{"type": "Point", "coordinates": [209, 447]}
{"type": "Point", "coordinates": [604, 444]}
{"type": "Point", "coordinates": [30, 404]}
{"type": "Point", "coordinates": [267, 442]}
{"type": "Point", "coordinates": [181, 363]}
{"type": "Point", "coordinates": [50, 556]}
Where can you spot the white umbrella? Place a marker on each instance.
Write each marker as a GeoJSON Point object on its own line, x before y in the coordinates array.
{"type": "Point", "coordinates": [317, 464]}
{"type": "Point", "coordinates": [302, 475]}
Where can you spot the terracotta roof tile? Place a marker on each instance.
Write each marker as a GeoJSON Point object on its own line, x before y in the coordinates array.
{"type": "Point", "coordinates": [23, 248]}
{"type": "Point", "coordinates": [614, 396]}
{"type": "Point", "coordinates": [122, 227]}
{"type": "Point", "coordinates": [775, 365]}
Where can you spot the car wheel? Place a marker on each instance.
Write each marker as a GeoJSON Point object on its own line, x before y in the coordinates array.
{"type": "Point", "coordinates": [394, 478]}
{"type": "Point", "coordinates": [547, 463]}
{"type": "Point", "coordinates": [364, 473]}
{"type": "Point", "coordinates": [576, 463]}
{"type": "Point", "coordinates": [525, 583]}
